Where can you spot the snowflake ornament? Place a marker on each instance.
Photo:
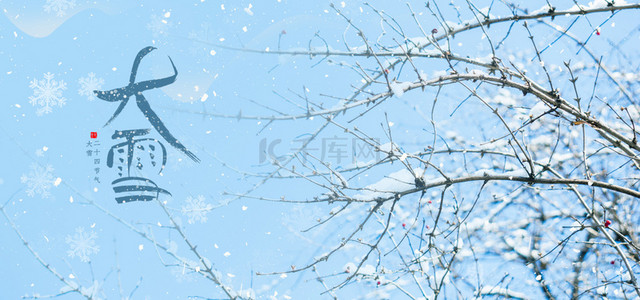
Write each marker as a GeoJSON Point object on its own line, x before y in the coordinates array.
{"type": "Point", "coordinates": [39, 180]}
{"type": "Point", "coordinates": [60, 7]}
{"type": "Point", "coordinates": [196, 209]}
{"type": "Point", "coordinates": [47, 93]}
{"type": "Point", "coordinates": [82, 244]}
{"type": "Point", "coordinates": [89, 84]}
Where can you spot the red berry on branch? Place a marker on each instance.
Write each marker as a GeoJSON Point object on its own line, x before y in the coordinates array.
{"type": "Point", "coordinates": [404, 225]}
{"type": "Point", "coordinates": [598, 31]}
{"type": "Point", "coordinates": [607, 223]}
{"type": "Point", "coordinates": [434, 31]}
{"type": "Point", "coordinates": [378, 282]}
{"type": "Point", "coordinates": [613, 262]}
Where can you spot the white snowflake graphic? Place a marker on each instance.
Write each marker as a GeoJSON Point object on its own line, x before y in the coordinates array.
{"type": "Point", "coordinates": [82, 244]}
{"type": "Point", "coordinates": [47, 93]}
{"type": "Point", "coordinates": [89, 84]}
{"type": "Point", "coordinates": [196, 209]}
{"type": "Point", "coordinates": [39, 180]}
{"type": "Point", "coordinates": [60, 7]}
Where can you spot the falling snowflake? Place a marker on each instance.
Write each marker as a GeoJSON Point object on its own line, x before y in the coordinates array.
{"type": "Point", "coordinates": [89, 84]}
{"type": "Point", "coordinates": [46, 93]}
{"type": "Point", "coordinates": [248, 10]}
{"type": "Point", "coordinates": [39, 180]}
{"type": "Point", "coordinates": [196, 209]}
{"type": "Point", "coordinates": [60, 7]}
{"type": "Point", "coordinates": [82, 244]}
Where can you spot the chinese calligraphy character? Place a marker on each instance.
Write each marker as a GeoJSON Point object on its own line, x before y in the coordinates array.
{"type": "Point", "coordinates": [135, 89]}
{"type": "Point", "coordinates": [93, 152]}
{"type": "Point", "coordinates": [91, 144]}
{"type": "Point", "coordinates": [123, 154]}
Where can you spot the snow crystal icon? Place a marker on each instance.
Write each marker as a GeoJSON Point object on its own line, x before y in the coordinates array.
{"type": "Point", "coordinates": [39, 180]}
{"type": "Point", "coordinates": [82, 244]}
{"type": "Point", "coordinates": [196, 209]}
{"type": "Point", "coordinates": [59, 7]}
{"type": "Point", "coordinates": [89, 84]}
{"type": "Point", "coordinates": [47, 93]}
